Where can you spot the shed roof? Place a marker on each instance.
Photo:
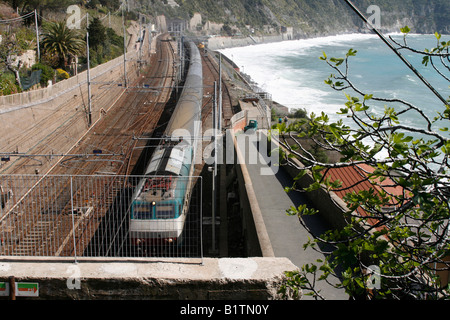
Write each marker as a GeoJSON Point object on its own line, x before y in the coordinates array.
{"type": "Point", "coordinates": [354, 178]}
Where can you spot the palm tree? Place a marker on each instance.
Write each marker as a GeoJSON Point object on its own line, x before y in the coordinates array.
{"type": "Point", "coordinates": [62, 42]}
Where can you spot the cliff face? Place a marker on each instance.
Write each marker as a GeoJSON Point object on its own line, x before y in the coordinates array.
{"type": "Point", "coordinates": [422, 16]}
{"type": "Point", "coordinates": [335, 16]}
{"type": "Point", "coordinates": [312, 17]}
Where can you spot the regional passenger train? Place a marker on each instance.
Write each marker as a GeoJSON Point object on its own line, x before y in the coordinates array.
{"type": "Point", "coordinates": [161, 199]}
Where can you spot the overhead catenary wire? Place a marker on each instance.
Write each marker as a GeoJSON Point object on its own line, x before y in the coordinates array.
{"type": "Point", "coordinates": [26, 16]}
{"type": "Point", "coordinates": [18, 18]}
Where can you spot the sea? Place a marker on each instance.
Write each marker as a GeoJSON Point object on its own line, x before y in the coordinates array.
{"type": "Point", "coordinates": [293, 74]}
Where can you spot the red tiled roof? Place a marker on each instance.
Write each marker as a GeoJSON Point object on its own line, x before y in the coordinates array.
{"type": "Point", "coordinates": [354, 179]}
{"type": "Point", "coordinates": [387, 184]}
{"type": "Point", "coordinates": [350, 177]}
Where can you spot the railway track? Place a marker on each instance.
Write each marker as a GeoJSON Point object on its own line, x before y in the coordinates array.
{"type": "Point", "coordinates": [44, 224]}
{"type": "Point", "coordinates": [144, 125]}
{"type": "Point", "coordinates": [211, 75]}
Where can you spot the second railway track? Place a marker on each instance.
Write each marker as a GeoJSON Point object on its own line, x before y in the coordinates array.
{"type": "Point", "coordinates": [35, 230]}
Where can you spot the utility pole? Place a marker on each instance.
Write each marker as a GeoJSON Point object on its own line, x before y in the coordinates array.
{"type": "Point", "coordinates": [214, 171]}
{"type": "Point", "coordinates": [37, 35]}
{"type": "Point", "coordinates": [181, 54]}
{"type": "Point", "coordinates": [124, 51]}
{"type": "Point", "coordinates": [141, 39]}
{"type": "Point", "coordinates": [220, 93]}
{"type": "Point", "coordinates": [89, 81]}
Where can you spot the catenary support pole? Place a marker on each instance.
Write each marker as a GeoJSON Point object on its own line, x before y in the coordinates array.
{"type": "Point", "coordinates": [37, 35]}
{"type": "Point", "coordinates": [89, 82]}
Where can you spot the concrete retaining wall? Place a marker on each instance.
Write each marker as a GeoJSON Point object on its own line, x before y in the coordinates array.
{"type": "Point", "coordinates": [239, 121]}
{"type": "Point", "coordinates": [218, 43]}
{"type": "Point", "coordinates": [329, 205]}
{"type": "Point", "coordinates": [53, 119]}
{"type": "Point", "coordinates": [181, 279]}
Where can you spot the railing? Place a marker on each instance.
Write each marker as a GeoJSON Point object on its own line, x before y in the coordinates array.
{"type": "Point", "coordinates": [241, 116]}
{"type": "Point", "coordinates": [100, 216]}
{"type": "Point", "coordinates": [265, 114]}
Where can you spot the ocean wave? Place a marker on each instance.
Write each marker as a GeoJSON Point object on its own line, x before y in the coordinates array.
{"type": "Point", "coordinates": [293, 74]}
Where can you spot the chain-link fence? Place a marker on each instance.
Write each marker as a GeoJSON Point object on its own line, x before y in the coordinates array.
{"type": "Point", "coordinates": [101, 216]}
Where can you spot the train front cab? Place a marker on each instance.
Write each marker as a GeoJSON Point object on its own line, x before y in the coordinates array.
{"type": "Point", "coordinates": [154, 223]}
{"type": "Point", "coordinates": [158, 217]}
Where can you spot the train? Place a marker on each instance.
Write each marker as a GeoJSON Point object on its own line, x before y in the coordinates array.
{"type": "Point", "coordinates": [161, 199]}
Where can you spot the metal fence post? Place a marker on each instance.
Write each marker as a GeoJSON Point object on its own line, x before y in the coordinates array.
{"type": "Point", "coordinates": [201, 220]}
{"type": "Point", "coordinates": [73, 219]}
{"type": "Point", "coordinates": [37, 223]}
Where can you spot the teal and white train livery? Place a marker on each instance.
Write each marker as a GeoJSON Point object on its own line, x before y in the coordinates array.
{"type": "Point", "coordinates": [161, 200]}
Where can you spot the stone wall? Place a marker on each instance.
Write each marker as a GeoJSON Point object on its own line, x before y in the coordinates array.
{"type": "Point", "coordinates": [151, 279]}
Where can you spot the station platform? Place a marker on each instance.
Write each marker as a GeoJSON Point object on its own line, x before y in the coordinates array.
{"type": "Point", "coordinates": [286, 235]}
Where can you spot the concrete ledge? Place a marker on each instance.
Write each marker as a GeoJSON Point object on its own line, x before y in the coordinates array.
{"type": "Point", "coordinates": [261, 230]}
{"type": "Point", "coordinates": [180, 279]}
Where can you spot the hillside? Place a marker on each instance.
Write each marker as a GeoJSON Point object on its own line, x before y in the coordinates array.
{"type": "Point", "coordinates": [293, 18]}
{"type": "Point", "coordinates": [307, 17]}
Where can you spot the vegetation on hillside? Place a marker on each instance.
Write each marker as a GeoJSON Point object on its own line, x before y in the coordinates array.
{"type": "Point", "coordinates": [60, 46]}
{"type": "Point", "coordinates": [308, 17]}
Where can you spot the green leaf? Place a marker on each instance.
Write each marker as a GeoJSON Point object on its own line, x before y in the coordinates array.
{"type": "Point", "coordinates": [300, 175]}
{"type": "Point", "coordinates": [337, 61]}
{"type": "Point", "coordinates": [405, 30]}
{"type": "Point", "coordinates": [343, 111]}
{"type": "Point", "coordinates": [408, 139]}
{"type": "Point", "coordinates": [351, 52]}
{"type": "Point", "coordinates": [313, 187]}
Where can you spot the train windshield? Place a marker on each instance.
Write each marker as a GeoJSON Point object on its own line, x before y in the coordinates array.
{"type": "Point", "coordinates": [143, 211]}
{"type": "Point", "coordinates": [150, 211]}
{"type": "Point", "coordinates": [165, 212]}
